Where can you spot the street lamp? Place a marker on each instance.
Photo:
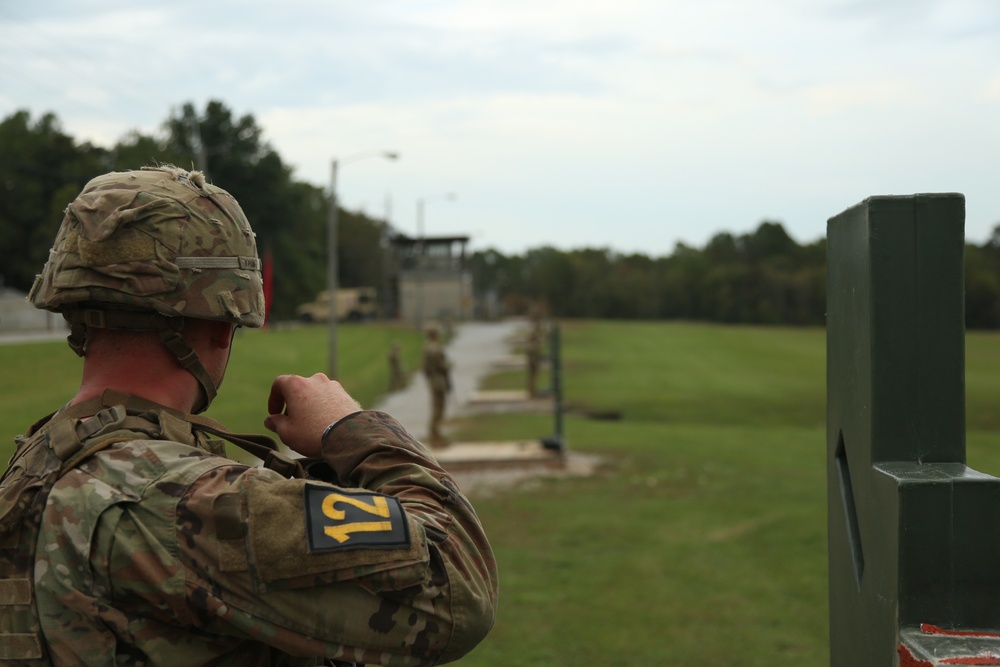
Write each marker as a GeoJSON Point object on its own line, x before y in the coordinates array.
{"type": "Point", "coordinates": [331, 251]}
{"type": "Point", "coordinates": [421, 251]}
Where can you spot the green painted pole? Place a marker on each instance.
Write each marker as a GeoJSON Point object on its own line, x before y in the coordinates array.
{"type": "Point", "coordinates": [913, 532]}
{"type": "Point", "coordinates": [558, 440]}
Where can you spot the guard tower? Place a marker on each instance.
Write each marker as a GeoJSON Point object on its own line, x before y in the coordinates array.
{"type": "Point", "coordinates": [432, 280]}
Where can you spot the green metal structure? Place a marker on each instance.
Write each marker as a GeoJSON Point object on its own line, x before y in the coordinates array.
{"type": "Point", "coordinates": [914, 534]}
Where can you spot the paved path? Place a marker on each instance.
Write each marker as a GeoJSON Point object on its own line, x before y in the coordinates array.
{"type": "Point", "coordinates": [14, 337]}
{"type": "Point", "coordinates": [475, 349]}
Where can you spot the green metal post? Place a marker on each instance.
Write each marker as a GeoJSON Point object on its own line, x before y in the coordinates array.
{"type": "Point", "coordinates": [556, 441]}
{"type": "Point", "coordinates": [913, 532]}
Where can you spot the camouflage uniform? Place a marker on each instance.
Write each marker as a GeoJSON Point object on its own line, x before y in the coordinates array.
{"type": "Point", "coordinates": [533, 352]}
{"type": "Point", "coordinates": [437, 370]}
{"type": "Point", "coordinates": [533, 349]}
{"type": "Point", "coordinates": [153, 548]}
{"type": "Point", "coordinates": [165, 553]}
{"type": "Point", "coordinates": [397, 378]}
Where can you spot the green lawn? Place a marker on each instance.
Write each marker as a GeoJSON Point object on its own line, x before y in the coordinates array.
{"type": "Point", "coordinates": [40, 377]}
{"type": "Point", "coordinates": [702, 540]}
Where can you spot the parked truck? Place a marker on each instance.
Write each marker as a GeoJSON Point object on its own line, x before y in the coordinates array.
{"type": "Point", "coordinates": [353, 304]}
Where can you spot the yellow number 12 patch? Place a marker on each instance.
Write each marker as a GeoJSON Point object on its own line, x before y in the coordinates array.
{"type": "Point", "coordinates": [339, 519]}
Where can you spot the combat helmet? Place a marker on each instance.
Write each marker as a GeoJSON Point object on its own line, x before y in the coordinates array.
{"type": "Point", "coordinates": [142, 250]}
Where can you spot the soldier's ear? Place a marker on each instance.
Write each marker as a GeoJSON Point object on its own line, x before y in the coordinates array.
{"type": "Point", "coordinates": [223, 334]}
{"type": "Point", "coordinates": [216, 334]}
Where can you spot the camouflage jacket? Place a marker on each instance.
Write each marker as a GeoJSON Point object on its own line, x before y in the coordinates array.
{"type": "Point", "coordinates": [163, 552]}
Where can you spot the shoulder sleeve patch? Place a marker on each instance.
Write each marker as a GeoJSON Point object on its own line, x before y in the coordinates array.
{"type": "Point", "coordinates": [339, 520]}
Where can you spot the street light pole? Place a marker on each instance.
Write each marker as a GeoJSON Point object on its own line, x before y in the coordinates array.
{"type": "Point", "coordinates": [331, 275]}
{"type": "Point", "coordinates": [331, 255]}
{"type": "Point", "coordinates": [421, 254]}
{"type": "Point", "coordinates": [420, 263]}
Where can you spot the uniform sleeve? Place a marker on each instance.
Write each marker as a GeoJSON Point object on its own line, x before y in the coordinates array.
{"type": "Point", "coordinates": [372, 450]}
{"type": "Point", "coordinates": [390, 567]}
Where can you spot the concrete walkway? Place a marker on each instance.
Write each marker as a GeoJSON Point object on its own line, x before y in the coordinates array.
{"type": "Point", "coordinates": [474, 352]}
{"type": "Point", "coordinates": [17, 337]}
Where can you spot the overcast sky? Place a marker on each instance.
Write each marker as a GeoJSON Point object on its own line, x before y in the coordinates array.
{"type": "Point", "coordinates": [627, 124]}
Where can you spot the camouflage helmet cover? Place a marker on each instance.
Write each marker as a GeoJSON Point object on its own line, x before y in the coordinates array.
{"type": "Point", "coordinates": [160, 239]}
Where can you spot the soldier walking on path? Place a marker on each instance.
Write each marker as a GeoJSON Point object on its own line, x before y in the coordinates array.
{"type": "Point", "coordinates": [128, 537]}
{"type": "Point", "coordinates": [397, 378]}
{"type": "Point", "coordinates": [533, 352]}
{"type": "Point", "coordinates": [437, 370]}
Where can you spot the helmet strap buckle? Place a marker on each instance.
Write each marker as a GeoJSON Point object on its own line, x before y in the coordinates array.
{"type": "Point", "coordinates": [95, 318]}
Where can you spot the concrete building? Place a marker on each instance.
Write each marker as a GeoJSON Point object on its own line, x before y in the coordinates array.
{"type": "Point", "coordinates": [17, 315]}
{"type": "Point", "coordinates": [431, 281]}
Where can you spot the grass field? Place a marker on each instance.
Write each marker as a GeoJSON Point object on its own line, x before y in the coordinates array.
{"type": "Point", "coordinates": [37, 378]}
{"type": "Point", "coordinates": [703, 538]}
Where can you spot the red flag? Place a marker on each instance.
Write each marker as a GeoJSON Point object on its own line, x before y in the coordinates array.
{"type": "Point", "coordinates": [268, 279]}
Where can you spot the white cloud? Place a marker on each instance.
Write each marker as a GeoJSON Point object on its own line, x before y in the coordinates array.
{"type": "Point", "coordinates": [835, 99]}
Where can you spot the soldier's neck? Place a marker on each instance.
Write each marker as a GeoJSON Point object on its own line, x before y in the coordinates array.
{"type": "Point", "coordinates": [154, 375]}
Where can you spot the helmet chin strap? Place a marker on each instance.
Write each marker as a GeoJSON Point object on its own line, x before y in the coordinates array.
{"type": "Point", "coordinates": [169, 329]}
{"type": "Point", "coordinates": [188, 358]}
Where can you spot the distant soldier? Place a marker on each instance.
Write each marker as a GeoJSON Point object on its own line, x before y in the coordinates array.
{"type": "Point", "coordinates": [397, 378]}
{"type": "Point", "coordinates": [533, 352]}
{"type": "Point", "coordinates": [437, 370]}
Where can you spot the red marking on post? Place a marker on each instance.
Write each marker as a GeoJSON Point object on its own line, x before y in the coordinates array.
{"type": "Point", "coordinates": [929, 629]}
{"type": "Point", "coordinates": [906, 659]}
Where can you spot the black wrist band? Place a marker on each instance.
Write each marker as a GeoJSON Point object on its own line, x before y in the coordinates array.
{"type": "Point", "coordinates": [329, 428]}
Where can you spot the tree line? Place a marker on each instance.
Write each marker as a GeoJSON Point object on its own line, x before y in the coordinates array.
{"type": "Point", "coordinates": [762, 277]}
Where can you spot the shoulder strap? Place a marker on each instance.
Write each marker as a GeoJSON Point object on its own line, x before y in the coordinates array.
{"type": "Point", "coordinates": [261, 446]}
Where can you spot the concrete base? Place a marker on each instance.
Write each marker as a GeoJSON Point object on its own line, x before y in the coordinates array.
{"type": "Point", "coordinates": [498, 396]}
{"type": "Point", "coordinates": [508, 400]}
{"type": "Point", "coordinates": [517, 362]}
{"type": "Point", "coordinates": [931, 646]}
{"type": "Point", "coordinates": [512, 363]}
{"type": "Point", "coordinates": [486, 455]}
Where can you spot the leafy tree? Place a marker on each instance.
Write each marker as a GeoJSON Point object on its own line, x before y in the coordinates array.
{"type": "Point", "coordinates": [760, 277]}
{"type": "Point", "coordinates": [41, 171]}
{"type": "Point", "coordinates": [136, 150]}
{"type": "Point", "coordinates": [289, 217]}
{"type": "Point", "coordinates": [361, 249]}
{"type": "Point", "coordinates": [769, 243]}
{"type": "Point", "coordinates": [982, 283]}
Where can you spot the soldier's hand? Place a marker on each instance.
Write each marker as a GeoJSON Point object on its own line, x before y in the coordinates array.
{"type": "Point", "coordinates": [301, 408]}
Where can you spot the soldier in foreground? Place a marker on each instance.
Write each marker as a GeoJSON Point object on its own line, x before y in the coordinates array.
{"type": "Point", "coordinates": [127, 537]}
{"type": "Point", "coordinates": [437, 370]}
